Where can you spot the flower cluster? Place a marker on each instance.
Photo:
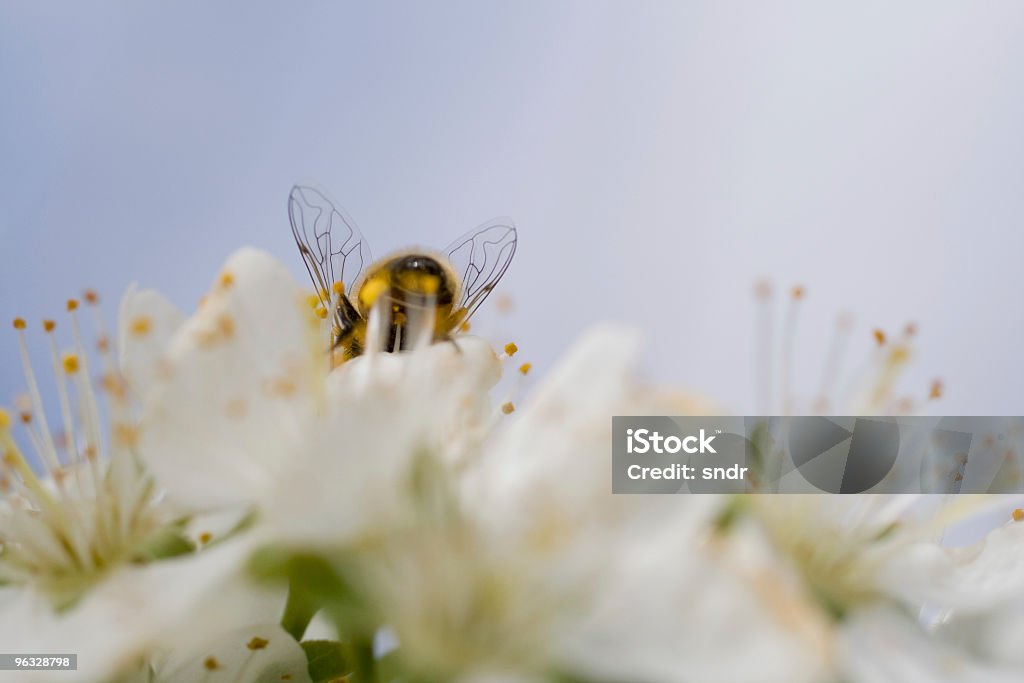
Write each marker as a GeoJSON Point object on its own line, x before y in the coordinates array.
{"type": "Point", "coordinates": [224, 503]}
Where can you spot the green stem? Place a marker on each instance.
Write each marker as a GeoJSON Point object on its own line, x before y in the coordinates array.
{"type": "Point", "coordinates": [364, 665]}
{"type": "Point", "coordinates": [298, 612]}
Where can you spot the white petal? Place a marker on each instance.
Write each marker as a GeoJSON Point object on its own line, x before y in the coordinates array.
{"type": "Point", "coordinates": [147, 322]}
{"type": "Point", "coordinates": [239, 390]}
{"type": "Point", "coordinates": [552, 456]}
{"type": "Point", "coordinates": [277, 658]}
{"type": "Point", "coordinates": [883, 646]}
{"type": "Point", "coordinates": [678, 610]}
{"type": "Point", "coordinates": [973, 578]}
{"type": "Point", "coordinates": [135, 611]}
{"type": "Point", "coordinates": [993, 636]}
{"type": "Point", "coordinates": [380, 414]}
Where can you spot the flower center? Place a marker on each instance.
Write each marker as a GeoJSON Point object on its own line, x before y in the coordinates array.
{"type": "Point", "coordinates": [92, 507]}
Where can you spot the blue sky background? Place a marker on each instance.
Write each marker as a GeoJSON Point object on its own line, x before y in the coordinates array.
{"type": "Point", "coordinates": [657, 157]}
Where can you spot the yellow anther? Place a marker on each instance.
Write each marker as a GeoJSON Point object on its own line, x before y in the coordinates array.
{"type": "Point", "coordinates": [70, 362]}
{"type": "Point", "coordinates": [72, 305]}
{"type": "Point", "coordinates": [1018, 515]}
{"type": "Point", "coordinates": [280, 386]}
{"type": "Point", "coordinates": [879, 337]}
{"type": "Point", "coordinates": [798, 292]}
{"type": "Point", "coordinates": [211, 664]}
{"type": "Point", "coordinates": [226, 325]}
{"type": "Point", "coordinates": [399, 318]}
{"type": "Point", "coordinates": [5, 419]}
{"type": "Point", "coordinates": [112, 384]}
{"type": "Point", "coordinates": [26, 417]}
{"type": "Point", "coordinates": [90, 296]}
{"type": "Point", "coordinates": [936, 389]}
{"type": "Point", "coordinates": [49, 325]}
{"type": "Point", "coordinates": [900, 354]}
{"type": "Point", "coordinates": [313, 300]}
{"type": "Point", "coordinates": [321, 312]}
{"type": "Point", "coordinates": [227, 279]}
{"type": "Point", "coordinates": [464, 327]}
{"type": "Point", "coordinates": [524, 369]}
{"type": "Point", "coordinates": [19, 323]}
{"type": "Point", "coordinates": [141, 326]}
{"type": "Point", "coordinates": [510, 349]}
{"type": "Point", "coordinates": [126, 435]}
{"type": "Point", "coordinates": [507, 407]}
{"type": "Point", "coordinates": [338, 288]}
{"type": "Point", "coordinates": [205, 537]}
{"type": "Point", "coordinates": [257, 643]}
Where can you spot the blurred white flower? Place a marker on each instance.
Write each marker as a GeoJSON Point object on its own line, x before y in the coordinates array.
{"type": "Point", "coordinates": [872, 389]}
{"type": "Point", "coordinates": [875, 563]}
{"type": "Point", "coordinates": [179, 604]}
{"type": "Point", "coordinates": [235, 389]}
{"type": "Point", "coordinates": [392, 494]}
{"type": "Point", "coordinates": [248, 412]}
{"type": "Point", "coordinates": [534, 569]}
{"type": "Point", "coordinates": [85, 546]}
{"type": "Point", "coordinates": [258, 653]}
{"type": "Point", "coordinates": [95, 508]}
{"type": "Point", "coordinates": [860, 551]}
{"type": "Point", "coordinates": [882, 645]}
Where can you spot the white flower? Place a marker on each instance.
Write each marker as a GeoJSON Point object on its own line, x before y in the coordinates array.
{"type": "Point", "coordinates": [881, 645]}
{"type": "Point", "coordinates": [872, 390]}
{"type": "Point", "coordinates": [874, 563]}
{"type": "Point", "coordinates": [534, 569]}
{"type": "Point", "coordinates": [247, 411]}
{"type": "Point", "coordinates": [180, 605]}
{"type": "Point", "coordinates": [236, 389]}
{"type": "Point", "coordinates": [858, 551]}
{"type": "Point", "coordinates": [146, 323]}
{"type": "Point", "coordinates": [257, 653]}
{"type": "Point", "coordinates": [80, 543]}
{"type": "Point", "coordinates": [95, 508]}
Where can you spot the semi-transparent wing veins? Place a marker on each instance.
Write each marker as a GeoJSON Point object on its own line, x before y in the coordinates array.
{"type": "Point", "coordinates": [332, 247]}
{"type": "Point", "coordinates": [480, 258]}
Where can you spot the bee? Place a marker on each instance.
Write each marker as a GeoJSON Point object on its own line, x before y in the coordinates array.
{"type": "Point", "coordinates": [405, 299]}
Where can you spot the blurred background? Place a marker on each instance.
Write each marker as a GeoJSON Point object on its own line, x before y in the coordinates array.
{"type": "Point", "coordinates": [660, 158]}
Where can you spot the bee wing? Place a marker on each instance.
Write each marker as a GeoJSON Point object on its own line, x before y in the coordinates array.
{"type": "Point", "coordinates": [480, 258]}
{"type": "Point", "coordinates": [332, 247]}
